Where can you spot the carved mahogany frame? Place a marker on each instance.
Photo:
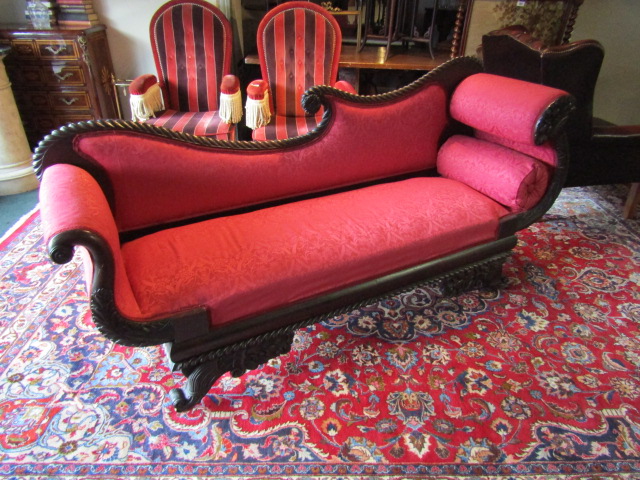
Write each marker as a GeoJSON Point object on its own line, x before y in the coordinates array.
{"type": "Point", "coordinates": [201, 353]}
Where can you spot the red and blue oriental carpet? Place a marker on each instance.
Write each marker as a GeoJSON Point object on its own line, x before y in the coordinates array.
{"type": "Point", "coordinates": [538, 379]}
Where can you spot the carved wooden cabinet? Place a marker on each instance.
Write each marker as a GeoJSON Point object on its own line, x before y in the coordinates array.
{"type": "Point", "coordinates": [59, 76]}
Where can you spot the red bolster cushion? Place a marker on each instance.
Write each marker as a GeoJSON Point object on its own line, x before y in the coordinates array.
{"type": "Point", "coordinates": [142, 83]}
{"type": "Point", "coordinates": [511, 178]}
{"type": "Point", "coordinates": [502, 106]}
{"type": "Point", "coordinates": [546, 152]}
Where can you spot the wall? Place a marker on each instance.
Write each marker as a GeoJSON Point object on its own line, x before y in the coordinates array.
{"type": "Point", "coordinates": [612, 22]}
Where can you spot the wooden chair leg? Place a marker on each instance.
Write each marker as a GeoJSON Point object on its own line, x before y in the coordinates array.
{"type": "Point", "coordinates": [632, 201]}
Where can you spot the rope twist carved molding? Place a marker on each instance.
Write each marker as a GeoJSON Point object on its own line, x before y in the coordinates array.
{"type": "Point", "coordinates": [449, 75]}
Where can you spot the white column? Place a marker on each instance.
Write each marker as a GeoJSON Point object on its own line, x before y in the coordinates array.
{"type": "Point", "coordinates": [16, 172]}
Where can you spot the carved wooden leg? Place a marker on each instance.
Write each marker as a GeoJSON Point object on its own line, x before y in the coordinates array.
{"type": "Point", "coordinates": [632, 201]}
{"type": "Point", "coordinates": [202, 376]}
{"type": "Point", "coordinates": [486, 273]}
{"type": "Point", "coordinates": [199, 381]}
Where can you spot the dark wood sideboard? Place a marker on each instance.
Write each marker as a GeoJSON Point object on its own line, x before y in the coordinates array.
{"type": "Point", "coordinates": [59, 76]}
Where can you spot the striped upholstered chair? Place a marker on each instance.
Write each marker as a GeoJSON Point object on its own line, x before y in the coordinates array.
{"type": "Point", "coordinates": [194, 92]}
{"type": "Point", "coordinates": [299, 46]}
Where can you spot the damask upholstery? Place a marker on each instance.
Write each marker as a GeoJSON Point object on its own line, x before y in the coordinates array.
{"type": "Point", "coordinates": [222, 250]}
{"type": "Point", "coordinates": [299, 45]}
{"type": "Point", "coordinates": [601, 153]}
{"type": "Point", "coordinates": [518, 187]}
{"type": "Point", "coordinates": [194, 91]}
{"type": "Point", "coordinates": [429, 218]}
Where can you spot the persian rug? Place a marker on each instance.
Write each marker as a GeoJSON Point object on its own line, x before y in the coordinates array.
{"type": "Point", "coordinates": [537, 379]}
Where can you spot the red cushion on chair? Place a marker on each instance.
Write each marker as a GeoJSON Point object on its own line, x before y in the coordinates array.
{"type": "Point", "coordinates": [246, 264]}
{"type": "Point", "coordinates": [195, 123]}
{"type": "Point", "coordinates": [515, 180]}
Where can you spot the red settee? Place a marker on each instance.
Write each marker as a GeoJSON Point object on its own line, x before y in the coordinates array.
{"type": "Point", "coordinates": [221, 250]}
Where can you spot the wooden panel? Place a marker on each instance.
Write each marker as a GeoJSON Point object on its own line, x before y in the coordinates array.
{"type": "Point", "coordinates": [24, 48]}
{"type": "Point", "coordinates": [51, 49]}
{"type": "Point", "coordinates": [70, 100]}
{"type": "Point", "coordinates": [35, 99]}
{"type": "Point", "coordinates": [63, 75]}
{"type": "Point", "coordinates": [59, 76]}
{"type": "Point", "coordinates": [72, 118]}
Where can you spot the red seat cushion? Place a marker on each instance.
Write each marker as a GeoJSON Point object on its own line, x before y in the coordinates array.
{"type": "Point", "coordinates": [249, 263]}
{"type": "Point", "coordinates": [195, 123]}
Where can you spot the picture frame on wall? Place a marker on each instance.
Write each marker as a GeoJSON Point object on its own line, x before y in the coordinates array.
{"type": "Point", "coordinates": [550, 20]}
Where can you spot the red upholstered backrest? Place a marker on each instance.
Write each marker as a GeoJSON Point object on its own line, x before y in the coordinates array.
{"type": "Point", "coordinates": [362, 143]}
{"type": "Point", "coordinates": [299, 47]}
{"type": "Point", "coordinates": [192, 46]}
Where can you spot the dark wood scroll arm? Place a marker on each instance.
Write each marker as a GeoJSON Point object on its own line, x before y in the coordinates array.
{"type": "Point", "coordinates": [550, 125]}
{"type": "Point", "coordinates": [106, 315]}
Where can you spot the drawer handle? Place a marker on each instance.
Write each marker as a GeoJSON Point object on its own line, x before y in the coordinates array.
{"type": "Point", "coordinates": [64, 76]}
{"type": "Point", "coordinates": [55, 50]}
{"type": "Point", "coordinates": [69, 101]}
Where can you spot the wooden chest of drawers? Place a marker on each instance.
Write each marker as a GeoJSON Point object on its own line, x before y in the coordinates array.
{"type": "Point", "coordinates": [59, 76]}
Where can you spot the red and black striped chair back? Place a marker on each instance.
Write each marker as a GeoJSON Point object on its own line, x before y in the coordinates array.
{"type": "Point", "coordinates": [299, 46]}
{"type": "Point", "coordinates": [192, 49]}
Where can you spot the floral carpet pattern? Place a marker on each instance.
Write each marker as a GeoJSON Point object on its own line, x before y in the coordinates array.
{"type": "Point", "coordinates": [537, 379]}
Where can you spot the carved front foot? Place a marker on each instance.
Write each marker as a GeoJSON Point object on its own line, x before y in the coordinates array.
{"type": "Point", "coordinates": [200, 378]}
{"type": "Point", "coordinates": [199, 382]}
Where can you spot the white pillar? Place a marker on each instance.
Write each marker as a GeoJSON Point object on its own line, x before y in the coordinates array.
{"type": "Point", "coordinates": [16, 172]}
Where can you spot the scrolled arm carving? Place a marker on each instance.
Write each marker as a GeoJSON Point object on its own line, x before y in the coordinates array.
{"type": "Point", "coordinates": [62, 245]}
{"type": "Point", "coordinates": [108, 319]}
{"type": "Point", "coordinates": [60, 252]}
{"type": "Point", "coordinates": [114, 326]}
{"type": "Point", "coordinates": [311, 102]}
{"type": "Point", "coordinates": [554, 119]}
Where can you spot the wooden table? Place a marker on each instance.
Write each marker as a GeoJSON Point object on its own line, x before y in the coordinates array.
{"type": "Point", "coordinates": [372, 57]}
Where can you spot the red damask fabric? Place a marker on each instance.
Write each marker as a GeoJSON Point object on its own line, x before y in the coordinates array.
{"type": "Point", "coordinates": [521, 105]}
{"type": "Point", "coordinates": [511, 178]}
{"type": "Point", "coordinates": [363, 145]}
{"type": "Point", "coordinates": [246, 264]}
